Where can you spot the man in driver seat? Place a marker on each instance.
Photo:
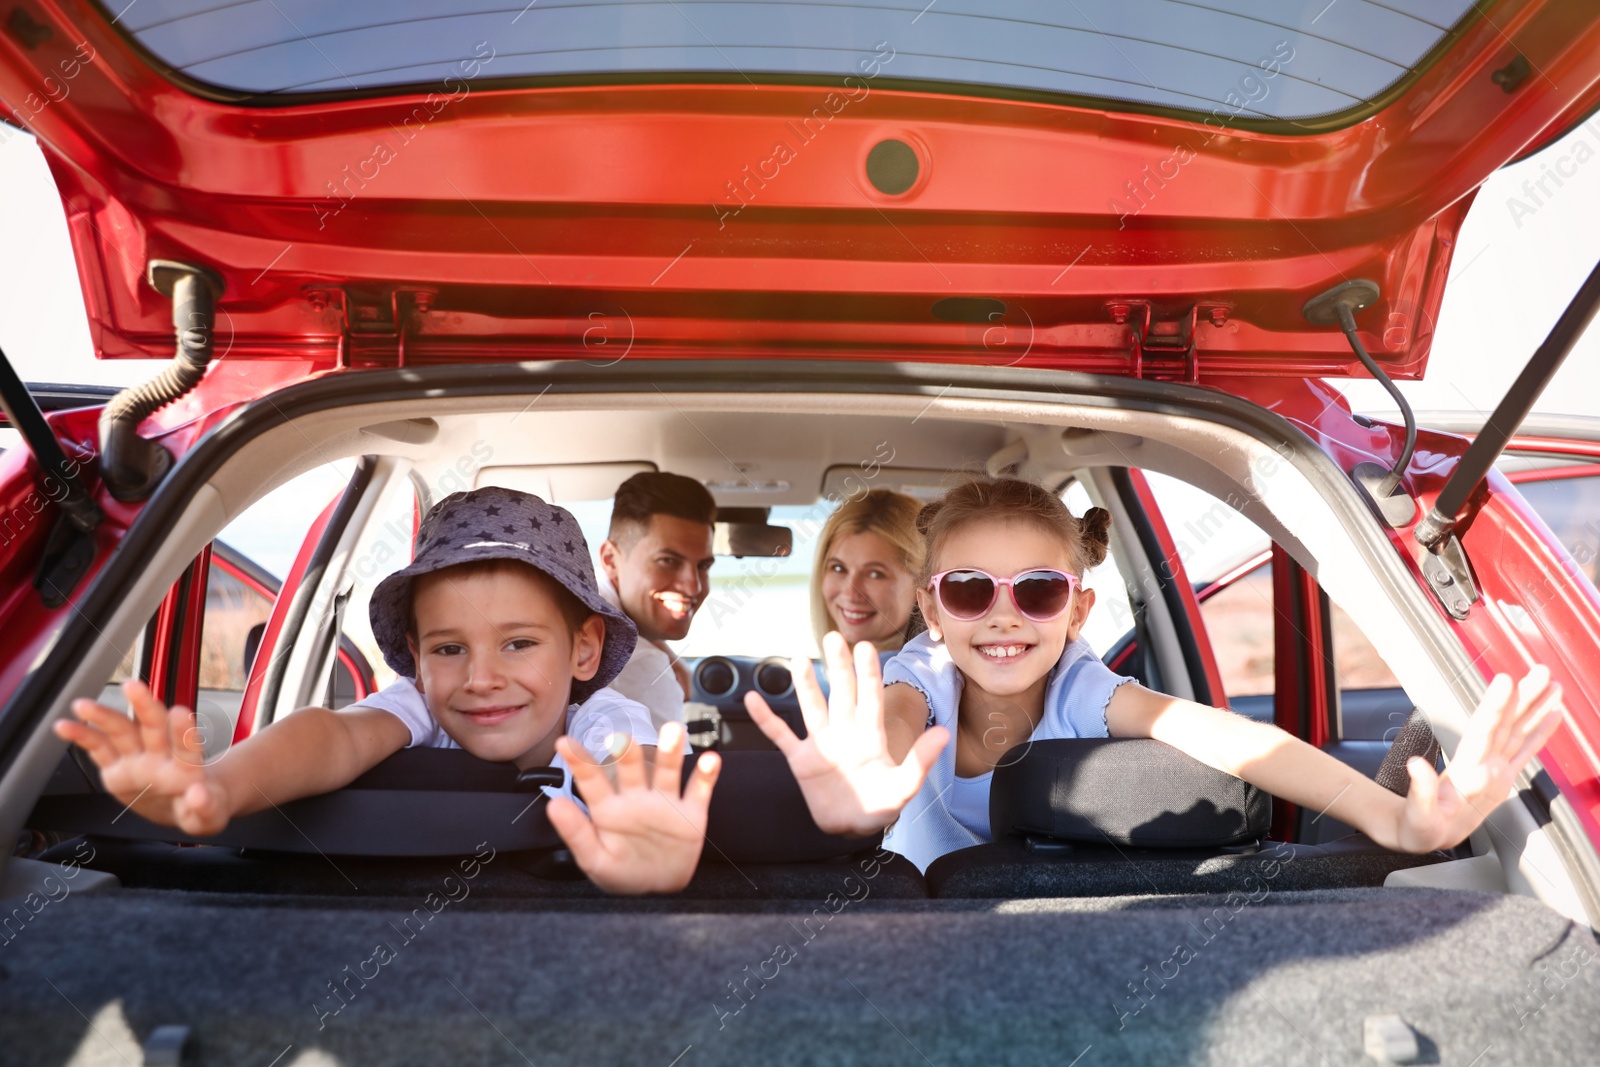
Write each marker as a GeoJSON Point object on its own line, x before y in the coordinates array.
{"type": "Point", "coordinates": [655, 566]}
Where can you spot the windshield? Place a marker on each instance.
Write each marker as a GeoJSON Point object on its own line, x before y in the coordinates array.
{"type": "Point", "coordinates": [1247, 59]}
{"type": "Point", "coordinates": [757, 606]}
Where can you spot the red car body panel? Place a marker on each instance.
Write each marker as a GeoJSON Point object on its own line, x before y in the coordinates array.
{"type": "Point", "coordinates": [180, 625]}
{"type": "Point", "coordinates": [1572, 446]}
{"type": "Point", "coordinates": [501, 224]}
{"type": "Point", "coordinates": [359, 672]}
{"type": "Point", "coordinates": [1536, 606]}
{"type": "Point", "coordinates": [27, 515]}
{"type": "Point", "coordinates": [1299, 671]}
{"type": "Point", "coordinates": [1558, 624]}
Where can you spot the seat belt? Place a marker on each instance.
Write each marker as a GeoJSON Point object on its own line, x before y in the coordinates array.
{"type": "Point", "coordinates": [1414, 739]}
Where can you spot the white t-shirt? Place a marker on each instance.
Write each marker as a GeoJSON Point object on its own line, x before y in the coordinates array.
{"type": "Point", "coordinates": [950, 812]}
{"type": "Point", "coordinates": [648, 676]}
{"type": "Point", "coordinates": [590, 724]}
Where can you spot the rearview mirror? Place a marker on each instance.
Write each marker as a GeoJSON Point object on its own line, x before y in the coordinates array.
{"type": "Point", "coordinates": [744, 532]}
{"type": "Point", "coordinates": [741, 539]}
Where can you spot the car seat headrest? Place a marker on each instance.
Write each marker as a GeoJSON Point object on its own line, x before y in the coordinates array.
{"type": "Point", "coordinates": [1128, 791]}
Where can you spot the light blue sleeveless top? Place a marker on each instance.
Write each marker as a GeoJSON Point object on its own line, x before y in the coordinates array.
{"type": "Point", "coordinates": [948, 812]}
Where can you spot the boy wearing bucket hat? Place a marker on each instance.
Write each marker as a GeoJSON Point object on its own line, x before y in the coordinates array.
{"type": "Point", "coordinates": [504, 646]}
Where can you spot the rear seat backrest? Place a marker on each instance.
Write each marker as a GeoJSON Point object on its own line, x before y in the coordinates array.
{"type": "Point", "coordinates": [1135, 792]}
{"type": "Point", "coordinates": [1110, 817]}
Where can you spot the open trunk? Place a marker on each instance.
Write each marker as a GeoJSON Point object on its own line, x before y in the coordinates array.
{"type": "Point", "coordinates": [1148, 188]}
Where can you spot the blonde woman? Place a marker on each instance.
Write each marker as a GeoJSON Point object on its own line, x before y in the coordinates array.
{"type": "Point", "coordinates": [864, 582]}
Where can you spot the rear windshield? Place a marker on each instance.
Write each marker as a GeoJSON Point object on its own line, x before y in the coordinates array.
{"type": "Point", "coordinates": [1249, 59]}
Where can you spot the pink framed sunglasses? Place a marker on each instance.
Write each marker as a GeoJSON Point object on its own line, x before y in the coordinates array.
{"type": "Point", "coordinates": [966, 593]}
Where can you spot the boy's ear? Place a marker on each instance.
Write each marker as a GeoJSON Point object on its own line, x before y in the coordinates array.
{"type": "Point", "coordinates": [928, 603]}
{"type": "Point", "coordinates": [416, 660]}
{"type": "Point", "coordinates": [587, 644]}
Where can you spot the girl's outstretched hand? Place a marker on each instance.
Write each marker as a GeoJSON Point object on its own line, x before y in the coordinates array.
{"type": "Point", "coordinates": [641, 835]}
{"type": "Point", "coordinates": [1511, 723]}
{"type": "Point", "coordinates": [851, 783]}
{"type": "Point", "coordinates": [154, 762]}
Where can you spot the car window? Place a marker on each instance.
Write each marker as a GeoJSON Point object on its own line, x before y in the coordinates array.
{"type": "Point", "coordinates": [249, 561]}
{"type": "Point", "coordinates": [383, 547]}
{"type": "Point", "coordinates": [1356, 661]}
{"type": "Point", "coordinates": [233, 609]}
{"type": "Point", "coordinates": [1214, 541]}
{"type": "Point", "coordinates": [1216, 544]}
{"type": "Point", "coordinates": [1239, 618]}
{"type": "Point", "coordinates": [1112, 616]}
{"type": "Point", "coordinates": [756, 606]}
{"type": "Point", "coordinates": [1571, 508]}
{"type": "Point", "coordinates": [1210, 60]}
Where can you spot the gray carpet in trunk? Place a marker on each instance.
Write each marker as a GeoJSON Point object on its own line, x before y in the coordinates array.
{"type": "Point", "coordinates": [1284, 979]}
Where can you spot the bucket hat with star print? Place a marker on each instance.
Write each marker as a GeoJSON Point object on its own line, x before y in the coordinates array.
{"type": "Point", "coordinates": [496, 523]}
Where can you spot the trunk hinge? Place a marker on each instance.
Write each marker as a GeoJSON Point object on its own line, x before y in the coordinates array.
{"type": "Point", "coordinates": [1449, 575]}
{"type": "Point", "coordinates": [1164, 349]}
{"type": "Point", "coordinates": [69, 550]}
{"type": "Point", "coordinates": [373, 323]}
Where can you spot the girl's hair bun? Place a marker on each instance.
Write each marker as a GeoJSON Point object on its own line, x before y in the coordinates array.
{"type": "Point", "coordinates": [926, 516]}
{"type": "Point", "coordinates": [1094, 535]}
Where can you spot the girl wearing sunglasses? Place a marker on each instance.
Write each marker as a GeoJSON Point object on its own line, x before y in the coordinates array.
{"type": "Point", "coordinates": [1003, 662]}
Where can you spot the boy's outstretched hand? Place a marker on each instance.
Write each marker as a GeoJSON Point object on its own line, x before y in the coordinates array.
{"type": "Point", "coordinates": [154, 762]}
{"type": "Point", "coordinates": [1511, 723]}
{"type": "Point", "coordinates": [851, 783]}
{"type": "Point", "coordinates": [640, 836]}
